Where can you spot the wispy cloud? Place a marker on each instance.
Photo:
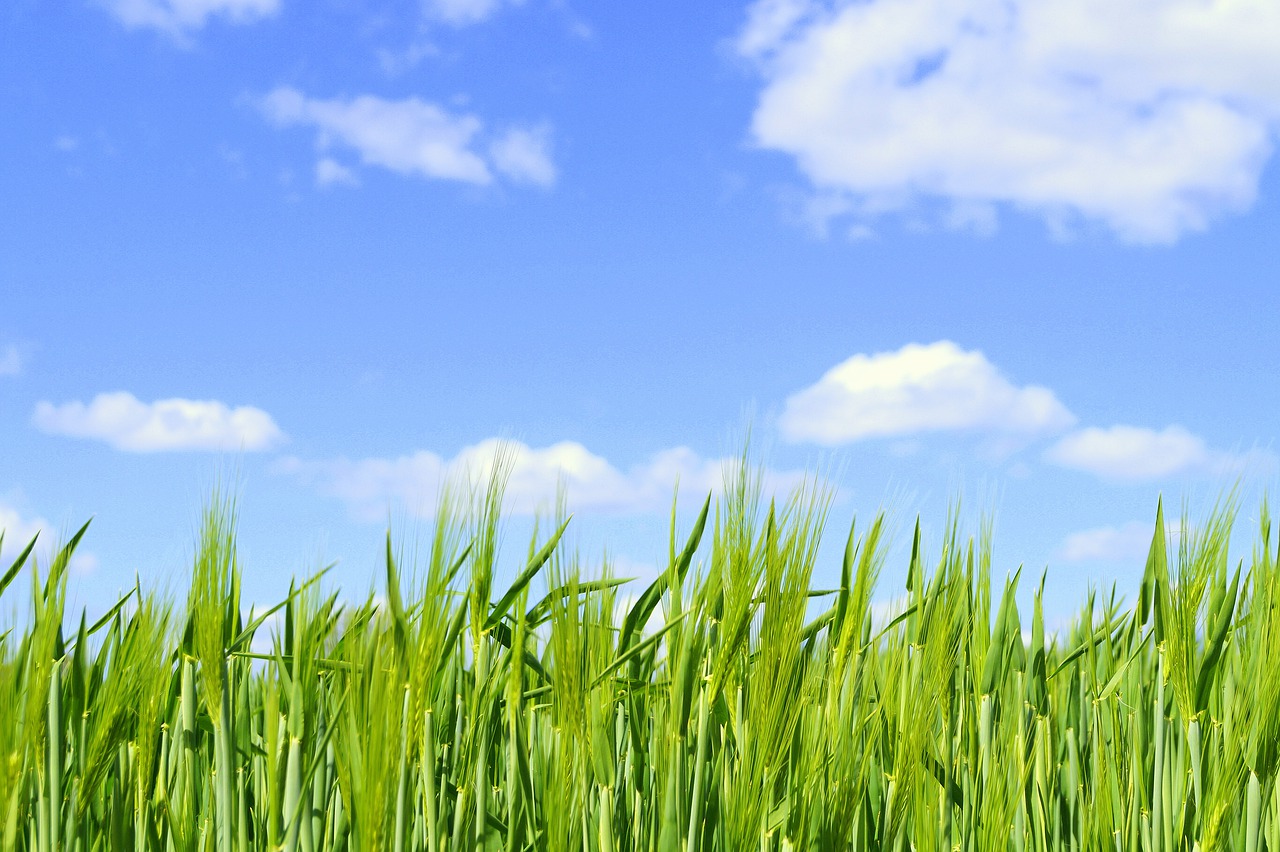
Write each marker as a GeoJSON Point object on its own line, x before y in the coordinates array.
{"type": "Point", "coordinates": [524, 155]}
{"type": "Point", "coordinates": [124, 422]}
{"type": "Point", "coordinates": [329, 172]}
{"type": "Point", "coordinates": [370, 486]}
{"type": "Point", "coordinates": [10, 360]}
{"type": "Point", "coordinates": [919, 388]}
{"type": "Point", "coordinates": [461, 13]}
{"type": "Point", "coordinates": [180, 18]}
{"type": "Point", "coordinates": [1149, 118]}
{"type": "Point", "coordinates": [413, 137]}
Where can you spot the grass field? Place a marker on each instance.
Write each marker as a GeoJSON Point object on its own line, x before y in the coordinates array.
{"type": "Point", "coordinates": [728, 706]}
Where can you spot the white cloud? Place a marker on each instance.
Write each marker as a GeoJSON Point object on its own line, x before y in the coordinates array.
{"type": "Point", "coordinates": [181, 17]}
{"type": "Point", "coordinates": [413, 137]}
{"type": "Point", "coordinates": [1136, 453]}
{"type": "Point", "coordinates": [1151, 117]}
{"type": "Point", "coordinates": [408, 136]}
{"type": "Point", "coordinates": [1130, 452]}
{"type": "Point", "coordinates": [524, 155]}
{"type": "Point", "coordinates": [19, 528]}
{"type": "Point", "coordinates": [1126, 543]}
{"type": "Point", "coordinates": [919, 388]}
{"type": "Point", "coordinates": [10, 360]}
{"type": "Point", "coordinates": [83, 563]}
{"type": "Point", "coordinates": [124, 422]}
{"type": "Point", "coordinates": [329, 172]}
{"type": "Point", "coordinates": [369, 486]}
{"type": "Point", "coordinates": [463, 12]}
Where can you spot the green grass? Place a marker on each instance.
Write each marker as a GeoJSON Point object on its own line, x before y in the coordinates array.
{"type": "Point", "coordinates": [727, 706]}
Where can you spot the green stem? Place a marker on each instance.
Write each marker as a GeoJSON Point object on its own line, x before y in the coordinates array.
{"type": "Point", "coordinates": [699, 766]}
{"type": "Point", "coordinates": [292, 794]}
{"type": "Point", "coordinates": [481, 778]}
{"type": "Point", "coordinates": [1252, 813]}
{"type": "Point", "coordinates": [55, 758]}
{"type": "Point", "coordinates": [429, 777]}
{"type": "Point", "coordinates": [402, 783]}
{"type": "Point", "coordinates": [1157, 781]}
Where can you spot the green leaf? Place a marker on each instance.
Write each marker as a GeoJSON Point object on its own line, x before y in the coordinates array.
{"type": "Point", "coordinates": [1114, 683]}
{"type": "Point", "coordinates": [10, 574]}
{"type": "Point", "coordinates": [1091, 641]}
{"type": "Point", "coordinates": [399, 620]}
{"type": "Point", "coordinates": [635, 651]}
{"type": "Point", "coordinates": [502, 633]}
{"type": "Point", "coordinates": [1156, 564]}
{"type": "Point", "coordinates": [245, 636]}
{"type": "Point", "coordinates": [998, 646]}
{"type": "Point", "coordinates": [526, 576]}
{"type": "Point", "coordinates": [541, 611]}
{"type": "Point", "coordinates": [1216, 639]}
{"type": "Point", "coordinates": [644, 605]}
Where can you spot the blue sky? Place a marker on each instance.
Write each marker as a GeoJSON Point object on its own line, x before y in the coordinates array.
{"type": "Point", "coordinates": [1016, 252]}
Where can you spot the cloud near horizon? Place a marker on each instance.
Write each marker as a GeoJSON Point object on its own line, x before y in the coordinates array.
{"type": "Point", "coordinates": [124, 422]}
{"type": "Point", "coordinates": [19, 528]}
{"type": "Point", "coordinates": [1129, 542]}
{"type": "Point", "coordinates": [919, 388]}
{"type": "Point", "coordinates": [1124, 453]}
{"type": "Point", "coordinates": [370, 486]}
{"type": "Point", "coordinates": [413, 137]}
{"type": "Point", "coordinates": [1150, 118]}
{"type": "Point", "coordinates": [1126, 543]}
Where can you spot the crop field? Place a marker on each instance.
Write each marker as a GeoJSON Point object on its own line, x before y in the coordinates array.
{"type": "Point", "coordinates": [730, 705]}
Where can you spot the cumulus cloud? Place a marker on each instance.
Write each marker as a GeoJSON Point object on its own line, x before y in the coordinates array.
{"type": "Point", "coordinates": [591, 482]}
{"type": "Point", "coordinates": [1149, 117]}
{"type": "Point", "coordinates": [919, 388]}
{"type": "Point", "coordinates": [179, 18]}
{"type": "Point", "coordinates": [412, 137]}
{"type": "Point", "coordinates": [10, 360]}
{"type": "Point", "coordinates": [1136, 453]}
{"type": "Point", "coordinates": [124, 422]}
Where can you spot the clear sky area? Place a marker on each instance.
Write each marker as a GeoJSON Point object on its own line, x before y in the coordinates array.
{"type": "Point", "coordinates": [1016, 255]}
